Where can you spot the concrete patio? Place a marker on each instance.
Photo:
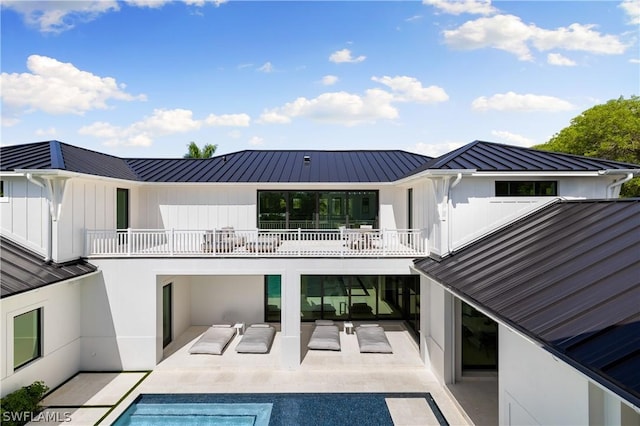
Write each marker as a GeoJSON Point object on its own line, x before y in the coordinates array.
{"type": "Point", "coordinates": [99, 398]}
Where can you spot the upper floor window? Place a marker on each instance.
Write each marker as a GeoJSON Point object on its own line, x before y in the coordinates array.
{"type": "Point", "coordinates": [4, 196]}
{"type": "Point", "coordinates": [526, 188]}
{"type": "Point", "coordinates": [27, 337]}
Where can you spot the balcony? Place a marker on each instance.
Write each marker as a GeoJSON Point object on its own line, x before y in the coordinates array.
{"type": "Point", "coordinates": [229, 242]}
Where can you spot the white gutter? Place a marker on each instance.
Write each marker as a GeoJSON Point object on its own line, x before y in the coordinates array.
{"type": "Point", "coordinates": [435, 173]}
{"type": "Point", "coordinates": [615, 184]}
{"type": "Point", "coordinates": [449, 215]}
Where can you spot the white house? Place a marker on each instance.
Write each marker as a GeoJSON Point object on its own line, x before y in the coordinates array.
{"type": "Point", "coordinates": [151, 247]}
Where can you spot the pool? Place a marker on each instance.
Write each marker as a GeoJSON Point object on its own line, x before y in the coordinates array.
{"type": "Point", "coordinates": [266, 409]}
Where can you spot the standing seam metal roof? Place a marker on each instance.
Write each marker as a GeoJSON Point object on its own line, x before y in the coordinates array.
{"type": "Point", "coordinates": [23, 270]}
{"type": "Point", "coordinates": [491, 157]}
{"type": "Point", "coordinates": [568, 276]}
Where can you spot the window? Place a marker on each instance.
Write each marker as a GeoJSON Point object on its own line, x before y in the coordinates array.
{"type": "Point", "coordinates": [4, 195]}
{"type": "Point", "coordinates": [122, 208]}
{"type": "Point", "coordinates": [167, 313]}
{"type": "Point", "coordinates": [27, 337]}
{"type": "Point", "coordinates": [527, 188]}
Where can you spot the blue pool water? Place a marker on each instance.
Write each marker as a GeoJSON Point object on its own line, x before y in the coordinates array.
{"type": "Point", "coordinates": [351, 409]}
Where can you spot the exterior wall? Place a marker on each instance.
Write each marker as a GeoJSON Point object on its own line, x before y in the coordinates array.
{"type": "Point", "coordinates": [24, 213]}
{"type": "Point", "coordinates": [560, 396]}
{"type": "Point", "coordinates": [87, 204]}
{"type": "Point", "coordinates": [227, 299]}
{"type": "Point", "coordinates": [437, 329]}
{"type": "Point", "coordinates": [475, 210]}
{"type": "Point", "coordinates": [61, 334]}
{"type": "Point", "coordinates": [124, 330]}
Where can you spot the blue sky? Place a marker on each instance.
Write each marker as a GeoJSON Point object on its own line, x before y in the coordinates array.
{"type": "Point", "coordinates": [143, 78]}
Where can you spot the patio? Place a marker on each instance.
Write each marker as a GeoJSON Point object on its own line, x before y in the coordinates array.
{"type": "Point", "coordinates": [89, 396]}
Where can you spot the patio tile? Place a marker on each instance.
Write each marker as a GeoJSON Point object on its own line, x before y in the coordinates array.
{"type": "Point", "coordinates": [93, 389]}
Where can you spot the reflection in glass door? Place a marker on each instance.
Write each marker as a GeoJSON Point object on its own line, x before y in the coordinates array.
{"type": "Point", "coordinates": [479, 340]}
{"type": "Point", "coordinates": [167, 310]}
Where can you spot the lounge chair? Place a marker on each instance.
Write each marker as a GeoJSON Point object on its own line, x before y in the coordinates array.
{"type": "Point", "coordinates": [325, 336]}
{"type": "Point", "coordinates": [371, 338]}
{"type": "Point", "coordinates": [257, 339]}
{"type": "Point", "coordinates": [214, 340]}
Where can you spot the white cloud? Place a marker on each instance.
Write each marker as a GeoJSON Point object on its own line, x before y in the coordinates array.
{"type": "Point", "coordinates": [235, 134]}
{"type": "Point", "coordinates": [558, 59]}
{"type": "Point", "coordinates": [511, 101]}
{"type": "Point", "coordinates": [504, 32]}
{"type": "Point", "coordinates": [435, 150]}
{"type": "Point", "coordinates": [634, 61]}
{"type": "Point", "coordinates": [51, 131]}
{"type": "Point", "coordinates": [161, 123]}
{"type": "Point", "coordinates": [57, 16]}
{"type": "Point", "coordinates": [414, 18]}
{"type": "Point", "coordinates": [632, 9]}
{"type": "Point", "coordinates": [59, 88]}
{"type": "Point", "coordinates": [233, 120]}
{"type": "Point", "coordinates": [512, 138]}
{"type": "Point", "coordinates": [457, 7]}
{"type": "Point", "coordinates": [344, 55]}
{"type": "Point", "coordinates": [329, 80]}
{"type": "Point", "coordinates": [509, 33]}
{"type": "Point", "coordinates": [256, 140]}
{"type": "Point", "coordinates": [336, 107]}
{"type": "Point", "coordinates": [267, 67]}
{"type": "Point", "coordinates": [577, 37]}
{"type": "Point", "coordinates": [409, 89]}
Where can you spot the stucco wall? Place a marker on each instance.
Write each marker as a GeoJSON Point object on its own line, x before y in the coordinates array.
{"type": "Point", "coordinates": [61, 334]}
{"type": "Point", "coordinates": [535, 388]}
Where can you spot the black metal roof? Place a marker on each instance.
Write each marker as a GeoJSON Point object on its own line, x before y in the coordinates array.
{"type": "Point", "coordinates": [491, 157]}
{"type": "Point", "coordinates": [290, 166]}
{"type": "Point", "coordinates": [243, 166]}
{"type": "Point", "coordinates": [568, 276]}
{"type": "Point", "coordinates": [23, 270]}
{"type": "Point", "coordinates": [282, 166]}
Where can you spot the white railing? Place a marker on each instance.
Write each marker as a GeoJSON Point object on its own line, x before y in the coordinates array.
{"type": "Point", "coordinates": [257, 243]}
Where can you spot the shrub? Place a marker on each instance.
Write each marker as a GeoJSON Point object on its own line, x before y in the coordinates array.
{"type": "Point", "coordinates": [20, 406]}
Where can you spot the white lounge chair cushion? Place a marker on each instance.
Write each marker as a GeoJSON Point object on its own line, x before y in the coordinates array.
{"type": "Point", "coordinates": [213, 341]}
{"type": "Point", "coordinates": [373, 339]}
{"type": "Point", "coordinates": [325, 337]}
{"type": "Point", "coordinates": [257, 339]}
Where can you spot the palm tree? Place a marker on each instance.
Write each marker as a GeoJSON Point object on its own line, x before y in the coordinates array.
{"type": "Point", "coordinates": [193, 151]}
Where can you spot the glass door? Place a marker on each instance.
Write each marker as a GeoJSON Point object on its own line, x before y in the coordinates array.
{"type": "Point", "coordinates": [167, 309]}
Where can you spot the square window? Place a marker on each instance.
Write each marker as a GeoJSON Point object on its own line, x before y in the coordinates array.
{"type": "Point", "coordinates": [27, 337]}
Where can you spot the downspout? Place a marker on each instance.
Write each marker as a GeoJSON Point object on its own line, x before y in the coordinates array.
{"type": "Point", "coordinates": [611, 187]}
{"type": "Point", "coordinates": [449, 214]}
{"type": "Point", "coordinates": [49, 230]}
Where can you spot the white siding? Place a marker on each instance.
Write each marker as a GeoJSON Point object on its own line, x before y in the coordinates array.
{"type": "Point", "coordinates": [24, 213]}
{"type": "Point", "coordinates": [61, 334]}
{"type": "Point", "coordinates": [87, 204]}
{"type": "Point", "coordinates": [536, 388]}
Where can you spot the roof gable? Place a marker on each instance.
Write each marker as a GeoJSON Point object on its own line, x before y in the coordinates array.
{"type": "Point", "coordinates": [567, 275]}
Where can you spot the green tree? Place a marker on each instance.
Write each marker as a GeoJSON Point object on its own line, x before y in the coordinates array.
{"type": "Point", "coordinates": [194, 151]}
{"type": "Point", "coordinates": [609, 131]}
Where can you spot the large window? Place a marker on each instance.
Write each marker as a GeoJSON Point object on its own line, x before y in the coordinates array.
{"type": "Point", "coordinates": [316, 209]}
{"type": "Point", "coordinates": [27, 337]}
{"type": "Point", "coordinates": [360, 297]}
{"type": "Point", "coordinates": [518, 188]}
{"type": "Point", "coordinates": [479, 340]}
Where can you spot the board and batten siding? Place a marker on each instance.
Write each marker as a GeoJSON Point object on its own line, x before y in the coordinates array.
{"type": "Point", "coordinates": [88, 204]}
{"type": "Point", "coordinates": [24, 213]}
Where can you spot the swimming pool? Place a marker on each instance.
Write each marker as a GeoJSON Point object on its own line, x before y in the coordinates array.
{"type": "Point", "coordinates": [266, 409]}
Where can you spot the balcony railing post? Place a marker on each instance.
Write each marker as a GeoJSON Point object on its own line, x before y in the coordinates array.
{"type": "Point", "coordinates": [383, 238]}
{"type": "Point", "coordinates": [299, 242]}
{"type": "Point", "coordinates": [129, 242]}
{"type": "Point", "coordinates": [172, 239]}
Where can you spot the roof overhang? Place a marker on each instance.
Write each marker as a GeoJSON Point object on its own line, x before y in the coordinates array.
{"type": "Point", "coordinates": [436, 173]}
